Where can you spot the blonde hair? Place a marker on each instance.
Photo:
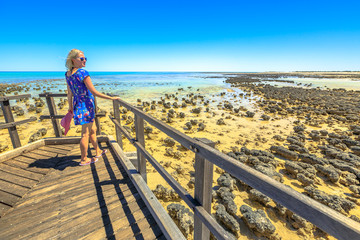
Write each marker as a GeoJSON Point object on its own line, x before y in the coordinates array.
{"type": "Point", "coordinates": [74, 53]}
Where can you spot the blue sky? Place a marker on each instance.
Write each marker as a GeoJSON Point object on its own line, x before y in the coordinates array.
{"type": "Point", "coordinates": [181, 35]}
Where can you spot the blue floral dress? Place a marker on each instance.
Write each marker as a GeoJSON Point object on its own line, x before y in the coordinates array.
{"type": "Point", "coordinates": [83, 102]}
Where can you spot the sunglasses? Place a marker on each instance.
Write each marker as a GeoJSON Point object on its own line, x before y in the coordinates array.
{"type": "Point", "coordinates": [83, 59]}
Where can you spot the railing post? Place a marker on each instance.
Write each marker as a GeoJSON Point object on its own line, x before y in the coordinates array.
{"type": "Point", "coordinates": [52, 112]}
{"type": "Point", "coordinates": [15, 140]}
{"type": "Point", "coordinates": [203, 190]}
{"type": "Point", "coordinates": [97, 122]}
{"type": "Point", "coordinates": [139, 129]}
{"type": "Point", "coordinates": [116, 106]}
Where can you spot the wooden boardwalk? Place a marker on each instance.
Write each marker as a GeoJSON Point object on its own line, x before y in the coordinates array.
{"type": "Point", "coordinates": [45, 194]}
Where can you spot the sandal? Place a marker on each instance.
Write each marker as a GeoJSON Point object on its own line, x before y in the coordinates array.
{"type": "Point", "coordinates": [102, 153]}
{"type": "Point", "coordinates": [92, 160]}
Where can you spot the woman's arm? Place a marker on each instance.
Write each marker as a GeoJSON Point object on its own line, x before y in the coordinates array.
{"type": "Point", "coordinates": [92, 89]}
{"type": "Point", "coordinates": [69, 97]}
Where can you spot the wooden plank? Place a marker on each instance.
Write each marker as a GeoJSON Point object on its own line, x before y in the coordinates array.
{"type": "Point", "coordinates": [164, 221]}
{"type": "Point", "coordinates": [70, 140]}
{"type": "Point", "coordinates": [25, 182]}
{"type": "Point", "coordinates": [3, 209]}
{"type": "Point", "coordinates": [12, 124]}
{"type": "Point", "coordinates": [203, 190]}
{"type": "Point", "coordinates": [117, 117]}
{"type": "Point", "coordinates": [42, 117]}
{"type": "Point", "coordinates": [139, 129]}
{"type": "Point", "coordinates": [97, 122]}
{"type": "Point", "coordinates": [7, 98]}
{"type": "Point", "coordinates": [8, 198]}
{"type": "Point", "coordinates": [53, 112]}
{"type": "Point", "coordinates": [16, 152]}
{"type": "Point", "coordinates": [14, 136]}
{"type": "Point", "coordinates": [21, 172]}
{"type": "Point", "coordinates": [13, 188]}
{"type": "Point", "coordinates": [49, 94]}
{"type": "Point", "coordinates": [26, 166]}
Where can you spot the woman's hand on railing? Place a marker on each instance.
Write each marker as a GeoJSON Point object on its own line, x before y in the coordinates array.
{"type": "Point", "coordinates": [115, 98]}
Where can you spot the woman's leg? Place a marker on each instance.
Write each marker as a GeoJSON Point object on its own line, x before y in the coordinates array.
{"type": "Point", "coordinates": [84, 142]}
{"type": "Point", "coordinates": [93, 140]}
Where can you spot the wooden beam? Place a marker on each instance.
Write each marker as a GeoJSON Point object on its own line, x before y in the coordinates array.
{"type": "Point", "coordinates": [116, 106]}
{"type": "Point", "coordinates": [61, 116]}
{"type": "Point", "coordinates": [7, 98]}
{"type": "Point", "coordinates": [71, 140]}
{"type": "Point", "coordinates": [18, 151]}
{"type": "Point", "coordinates": [52, 111]}
{"type": "Point", "coordinates": [49, 94]}
{"type": "Point", "coordinates": [203, 190]}
{"type": "Point", "coordinates": [139, 129]}
{"type": "Point", "coordinates": [7, 125]}
{"type": "Point", "coordinates": [97, 122]}
{"type": "Point", "coordinates": [9, 118]}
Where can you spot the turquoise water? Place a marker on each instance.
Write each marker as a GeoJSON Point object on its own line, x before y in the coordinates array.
{"type": "Point", "coordinates": [128, 85]}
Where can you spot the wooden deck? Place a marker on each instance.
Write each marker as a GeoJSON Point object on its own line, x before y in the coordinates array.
{"type": "Point", "coordinates": [45, 194]}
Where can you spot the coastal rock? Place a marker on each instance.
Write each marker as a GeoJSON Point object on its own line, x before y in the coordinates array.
{"type": "Point", "coordinates": [225, 180]}
{"type": "Point", "coordinates": [201, 127]}
{"type": "Point", "coordinates": [313, 159]}
{"type": "Point", "coordinates": [165, 194]}
{"type": "Point", "coordinates": [250, 114]}
{"type": "Point", "coordinates": [333, 201]}
{"type": "Point", "coordinates": [329, 171]}
{"type": "Point", "coordinates": [355, 189]}
{"type": "Point", "coordinates": [182, 217]}
{"type": "Point", "coordinates": [257, 220]}
{"type": "Point", "coordinates": [196, 110]}
{"type": "Point", "coordinates": [226, 197]}
{"type": "Point", "coordinates": [270, 171]}
{"type": "Point", "coordinates": [226, 219]}
{"type": "Point", "coordinates": [265, 117]}
{"type": "Point", "coordinates": [257, 196]}
{"type": "Point", "coordinates": [284, 152]}
{"type": "Point", "coordinates": [188, 126]}
{"type": "Point", "coordinates": [220, 122]}
{"type": "Point", "coordinates": [169, 142]}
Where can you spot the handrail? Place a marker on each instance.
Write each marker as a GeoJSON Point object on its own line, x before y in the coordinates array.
{"type": "Point", "coordinates": [219, 232]}
{"type": "Point", "coordinates": [10, 123]}
{"type": "Point", "coordinates": [7, 98]}
{"type": "Point", "coordinates": [53, 113]}
{"type": "Point", "coordinates": [327, 219]}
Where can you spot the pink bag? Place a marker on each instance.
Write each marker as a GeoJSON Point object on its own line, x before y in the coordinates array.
{"type": "Point", "coordinates": [65, 121]}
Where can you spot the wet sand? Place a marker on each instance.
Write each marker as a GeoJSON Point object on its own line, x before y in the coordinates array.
{"type": "Point", "coordinates": [240, 129]}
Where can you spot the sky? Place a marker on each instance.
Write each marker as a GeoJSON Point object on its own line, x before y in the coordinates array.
{"type": "Point", "coordinates": [212, 36]}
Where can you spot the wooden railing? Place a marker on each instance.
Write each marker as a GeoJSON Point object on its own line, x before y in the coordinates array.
{"type": "Point", "coordinates": [55, 118]}
{"type": "Point", "coordinates": [10, 124]}
{"type": "Point", "coordinates": [327, 219]}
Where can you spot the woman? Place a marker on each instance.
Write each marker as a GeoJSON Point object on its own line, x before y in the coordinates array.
{"type": "Point", "coordinates": [80, 87]}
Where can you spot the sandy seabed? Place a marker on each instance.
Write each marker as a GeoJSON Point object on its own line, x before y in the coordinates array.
{"type": "Point", "coordinates": [238, 129]}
